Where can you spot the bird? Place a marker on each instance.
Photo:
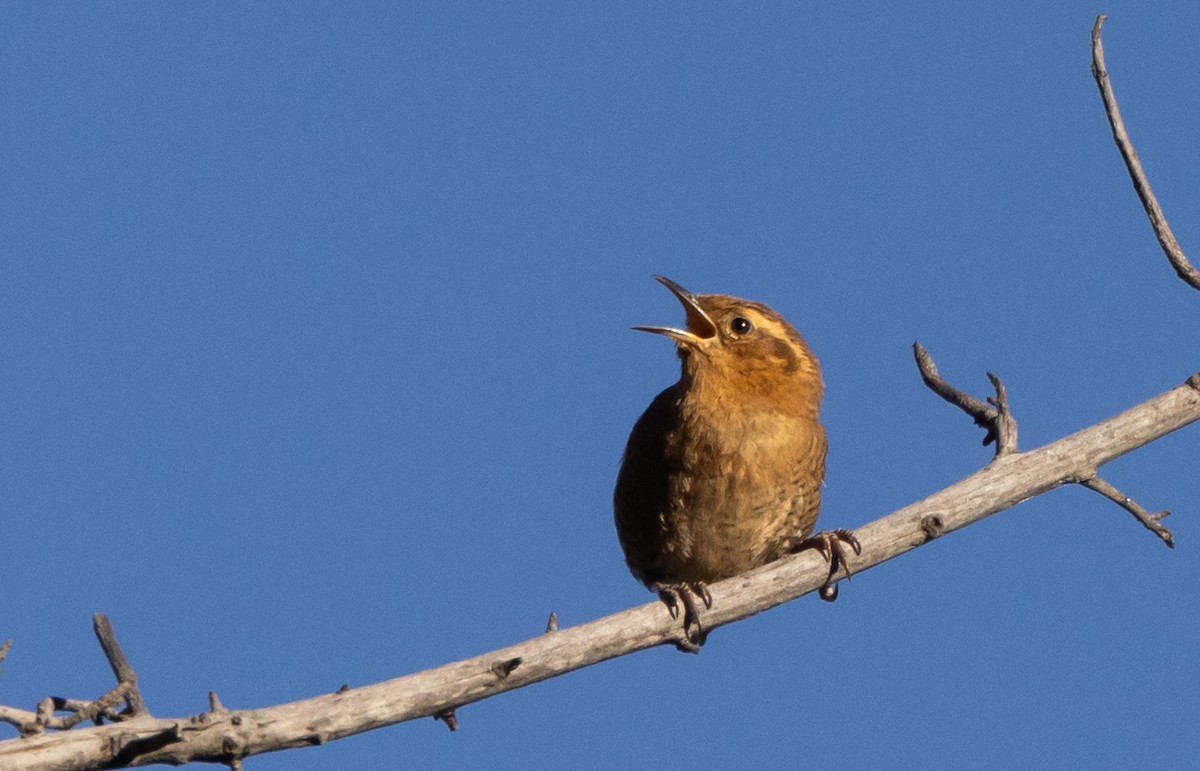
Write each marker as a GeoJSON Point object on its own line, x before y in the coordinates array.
{"type": "Point", "coordinates": [723, 471]}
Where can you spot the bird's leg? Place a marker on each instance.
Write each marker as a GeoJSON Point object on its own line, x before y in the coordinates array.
{"type": "Point", "coordinates": [831, 545]}
{"type": "Point", "coordinates": [686, 594]}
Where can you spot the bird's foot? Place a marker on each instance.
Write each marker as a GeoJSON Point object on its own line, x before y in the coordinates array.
{"type": "Point", "coordinates": [686, 594]}
{"type": "Point", "coordinates": [831, 545]}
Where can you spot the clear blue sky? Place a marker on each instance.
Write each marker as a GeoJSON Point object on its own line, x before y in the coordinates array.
{"type": "Point", "coordinates": [315, 364]}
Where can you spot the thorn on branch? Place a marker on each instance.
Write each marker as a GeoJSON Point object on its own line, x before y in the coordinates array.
{"type": "Point", "coordinates": [448, 717]}
{"type": "Point", "coordinates": [996, 419]}
{"type": "Point", "coordinates": [1150, 521]}
{"type": "Point", "coordinates": [551, 624]}
{"type": "Point", "coordinates": [1162, 231]}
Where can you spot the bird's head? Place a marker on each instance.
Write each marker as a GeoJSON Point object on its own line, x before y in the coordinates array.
{"type": "Point", "coordinates": [743, 348]}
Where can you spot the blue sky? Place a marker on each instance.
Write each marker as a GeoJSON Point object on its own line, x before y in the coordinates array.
{"type": "Point", "coordinates": [315, 365]}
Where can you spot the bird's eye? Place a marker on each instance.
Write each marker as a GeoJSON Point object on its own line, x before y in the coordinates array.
{"type": "Point", "coordinates": [740, 325]}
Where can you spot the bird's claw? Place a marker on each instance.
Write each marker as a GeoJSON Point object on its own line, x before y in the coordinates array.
{"type": "Point", "coordinates": [669, 596]}
{"type": "Point", "coordinates": [831, 546]}
{"type": "Point", "coordinates": [686, 594]}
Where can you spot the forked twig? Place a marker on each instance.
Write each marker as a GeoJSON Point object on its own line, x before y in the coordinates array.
{"type": "Point", "coordinates": [996, 419]}
{"type": "Point", "coordinates": [1151, 521]}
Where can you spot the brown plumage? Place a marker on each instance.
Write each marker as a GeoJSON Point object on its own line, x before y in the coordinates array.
{"type": "Point", "coordinates": [723, 471]}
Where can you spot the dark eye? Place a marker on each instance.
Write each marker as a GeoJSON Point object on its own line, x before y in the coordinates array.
{"type": "Point", "coordinates": [740, 325]}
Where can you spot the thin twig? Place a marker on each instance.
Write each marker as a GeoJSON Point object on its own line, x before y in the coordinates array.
{"type": "Point", "coordinates": [1166, 239]}
{"type": "Point", "coordinates": [1149, 520]}
{"type": "Point", "coordinates": [1006, 424]}
{"type": "Point", "coordinates": [121, 668]}
{"type": "Point", "coordinates": [104, 707]}
{"type": "Point", "coordinates": [997, 419]}
{"type": "Point", "coordinates": [21, 719]}
{"type": "Point", "coordinates": [31, 723]}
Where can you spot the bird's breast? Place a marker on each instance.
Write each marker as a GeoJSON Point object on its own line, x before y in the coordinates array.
{"type": "Point", "coordinates": [745, 486]}
{"type": "Point", "coordinates": [708, 490]}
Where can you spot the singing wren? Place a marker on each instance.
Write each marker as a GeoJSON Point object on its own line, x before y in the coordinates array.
{"type": "Point", "coordinates": [723, 471]}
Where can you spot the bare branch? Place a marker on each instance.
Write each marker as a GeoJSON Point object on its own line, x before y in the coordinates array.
{"type": "Point", "coordinates": [21, 719]}
{"type": "Point", "coordinates": [1150, 521]}
{"type": "Point", "coordinates": [1162, 231]}
{"type": "Point", "coordinates": [997, 419]}
{"type": "Point", "coordinates": [125, 674]}
{"type": "Point", "coordinates": [30, 723]}
{"type": "Point", "coordinates": [227, 736]}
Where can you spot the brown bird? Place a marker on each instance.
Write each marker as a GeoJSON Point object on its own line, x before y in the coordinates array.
{"type": "Point", "coordinates": [723, 471]}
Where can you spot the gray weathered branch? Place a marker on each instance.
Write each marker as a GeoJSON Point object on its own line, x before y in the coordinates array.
{"type": "Point", "coordinates": [1151, 521]}
{"type": "Point", "coordinates": [223, 736]}
{"type": "Point", "coordinates": [1162, 231]}
{"type": "Point", "coordinates": [997, 418]}
{"type": "Point", "coordinates": [1002, 427]}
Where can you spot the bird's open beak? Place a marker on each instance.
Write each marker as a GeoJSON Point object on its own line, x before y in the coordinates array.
{"type": "Point", "coordinates": [699, 326]}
